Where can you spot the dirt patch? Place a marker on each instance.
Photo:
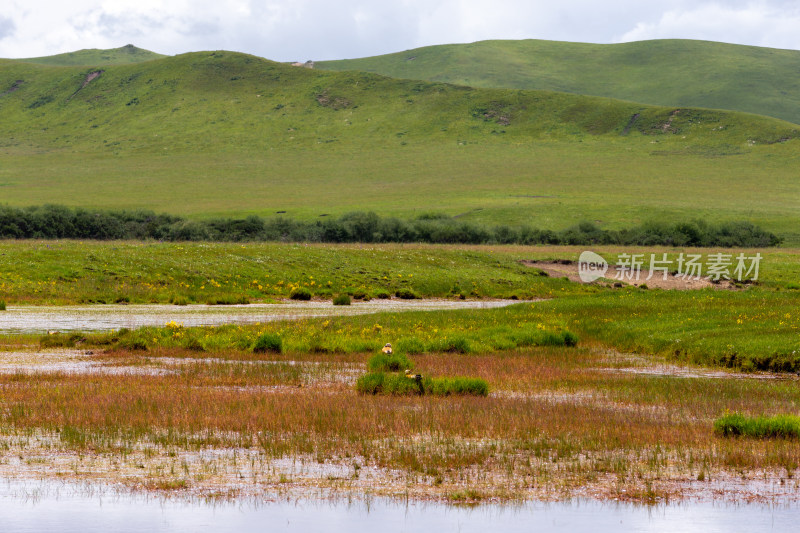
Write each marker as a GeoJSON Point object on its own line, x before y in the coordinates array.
{"type": "Point", "coordinates": [334, 102]}
{"type": "Point", "coordinates": [14, 87]}
{"type": "Point", "coordinates": [652, 279]}
{"type": "Point", "coordinates": [668, 124]}
{"type": "Point", "coordinates": [91, 77]}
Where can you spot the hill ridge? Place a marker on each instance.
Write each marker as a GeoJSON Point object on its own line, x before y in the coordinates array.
{"type": "Point", "coordinates": [97, 57]}
{"type": "Point", "coordinates": [670, 72]}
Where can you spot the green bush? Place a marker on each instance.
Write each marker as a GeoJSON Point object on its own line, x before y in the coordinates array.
{"type": "Point", "coordinates": [383, 295]}
{"type": "Point", "coordinates": [759, 427]}
{"type": "Point", "coordinates": [268, 342]}
{"type": "Point", "coordinates": [406, 294]}
{"type": "Point", "coordinates": [570, 339]}
{"type": "Point", "coordinates": [60, 222]}
{"type": "Point", "coordinates": [300, 294]}
{"type": "Point", "coordinates": [342, 299]}
{"type": "Point", "coordinates": [393, 362]}
{"type": "Point", "coordinates": [2, 305]}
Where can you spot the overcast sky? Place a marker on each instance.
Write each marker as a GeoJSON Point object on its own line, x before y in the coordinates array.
{"type": "Point", "coordinates": [286, 30]}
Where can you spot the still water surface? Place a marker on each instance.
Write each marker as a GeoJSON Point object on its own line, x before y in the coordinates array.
{"type": "Point", "coordinates": [39, 319]}
{"type": "Point", "coordinates": [65, 508]}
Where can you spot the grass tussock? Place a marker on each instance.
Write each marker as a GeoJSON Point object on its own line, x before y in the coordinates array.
{"type": "Point", "coordinates": [758, 427]}
{"type": "Point", "coordinates": [393, 362]}
{"type": "Point", "coordinates": [268, 343]}
{"type": "Point", "coordinates": [301, 294]}
{"type": "Point", "coordinates": [342, 299]}
{"type": "Point", "coordinates": [401, 384]}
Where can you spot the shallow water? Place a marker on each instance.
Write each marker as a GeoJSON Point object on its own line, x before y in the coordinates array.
{"type": "Point", "coordinates": [66, 508]}
{"type": "Point", "coordinates": [110, 317]}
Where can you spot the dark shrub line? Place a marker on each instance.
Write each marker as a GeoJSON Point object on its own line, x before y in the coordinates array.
{"type": "Point", "coordinates": [59, 222]}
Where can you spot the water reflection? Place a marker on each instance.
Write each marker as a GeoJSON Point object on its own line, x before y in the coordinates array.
{"type": "Point", "coordinates": [66, 508]}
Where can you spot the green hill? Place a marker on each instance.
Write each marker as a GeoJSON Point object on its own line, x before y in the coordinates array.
{"type": "Point", "coordinates": [661, 72]}
{"type": "Point", "coordinates": [95, 57]}
{"type": "Point", "coordinates": [221, 133]}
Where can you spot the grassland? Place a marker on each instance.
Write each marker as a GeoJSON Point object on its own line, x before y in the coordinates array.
{"type": "Point", "coordinates": [669, 72]}
{"type": "Point", "coordinates": [168, 134]}
{"type": "Point", "coordinates": [749, 329]}
{"type": "Point", "coordinates": [626, 414]}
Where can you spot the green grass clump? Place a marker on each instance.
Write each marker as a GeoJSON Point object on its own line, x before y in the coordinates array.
{"type": "Point", "coordinates": [407, 294]}
{"type": "Point", "coordinates": [456, 386]}
{"type": "Point", "coordinates": [759, 427]}
{"type": "Point", "coordinates": [2, 305]}
{"type": "Point", "coordinates": [399, 385]}
{"type": "Point", "coordinates": [301, 293]}
{"type": "Point", "coordinates": [62, 340]}
{"type": "Point", "coordinates": [410, 345]}
{"type": "Point", "coordinates": [453, 344]}
{"type": "Point", "coordinates": [226, 299]}
{"type": "Point", "coordinates": [342, 299]}
{"type": "Point", "coordinates": [389, 384]}
{"type": "Point", "coordinates": [562, 338]}
{"type": "Point", "coordinates": [393, 362]}
{"type": "Point", "coordinates": [268, 342]}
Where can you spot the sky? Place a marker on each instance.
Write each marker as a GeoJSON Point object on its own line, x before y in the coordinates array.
{"type": "Point", "coordinates": [300, 30]}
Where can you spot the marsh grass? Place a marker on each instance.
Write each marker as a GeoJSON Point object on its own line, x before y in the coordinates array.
{"type": "Point", "coordinates": [759, 427]}
{"type": "Point", "coordinates": [556, 420]}
{"type": "Point", "coordinates": [394, 362]}
{"type": "Point", "coordinates": [400, 384]}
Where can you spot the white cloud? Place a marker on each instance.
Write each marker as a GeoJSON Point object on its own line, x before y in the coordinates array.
{"type": "Point", "coordinates": [755, 23]}
{"type": "Point", "coordinates": [321, 29]}
{"type": "Point", "coordinates": [7, 27]}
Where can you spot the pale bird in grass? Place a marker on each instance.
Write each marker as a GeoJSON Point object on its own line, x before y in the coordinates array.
{"type": "Point", "coordinates": [387, 348]}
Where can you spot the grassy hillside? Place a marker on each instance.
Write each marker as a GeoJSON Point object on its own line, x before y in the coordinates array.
{"type": "Point", "coordinates": [661, 72]}
{"type": "Point", "coordinates": [215, 133]}
{"type": "Point", "coordinates": [95, 57]}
